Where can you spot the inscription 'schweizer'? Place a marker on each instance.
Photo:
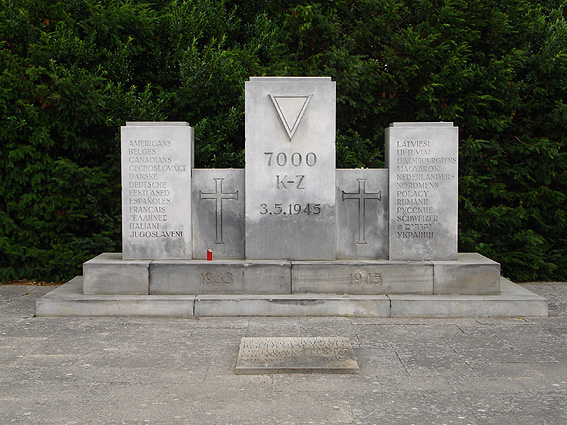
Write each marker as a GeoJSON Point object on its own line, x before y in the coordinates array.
{"type": "Point", "coordinates": [361, 196]}
{"type": "Point", "coordinates": [218, 196]}
{"type": "Point", "coordinates": [423, 172]}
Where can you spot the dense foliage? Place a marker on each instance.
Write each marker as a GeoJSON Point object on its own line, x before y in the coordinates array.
{"type": "Point", "coordinates": [73, 71]}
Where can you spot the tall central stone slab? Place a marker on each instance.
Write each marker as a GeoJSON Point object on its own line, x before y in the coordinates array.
{"type": "Point", "coordinates": [290, 168]}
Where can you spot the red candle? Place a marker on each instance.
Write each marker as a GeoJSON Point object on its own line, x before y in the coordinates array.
{"type": "Point", "coordinates": [209, 255]}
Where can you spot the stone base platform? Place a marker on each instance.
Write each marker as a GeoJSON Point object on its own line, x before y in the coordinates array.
{"type": "Point", "coordinates": [471, 274]}
{"type": "Point", "coordinates": [512, 301]}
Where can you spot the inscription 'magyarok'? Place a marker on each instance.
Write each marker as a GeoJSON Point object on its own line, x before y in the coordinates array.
{"type": "Point", "coordinates": [416, 175]}
{"type": "Point", "coordinates": [218, 196]}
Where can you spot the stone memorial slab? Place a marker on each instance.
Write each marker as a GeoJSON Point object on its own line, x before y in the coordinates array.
{"type": "Point", "coordinates": [219, 277]}
{"type": "Point", "coordinates": [290, 168]}
{"type": "Point", "coordinates": [362, 214]}
{"type": "Point", "coordinates": [295, 355]}
{"type": "Point", "coordinates": [362, 277]}
{"type": "Point", "coordinates": [422, 160]}
{"type": "Point", "coordinates": [218, 213]}
{"type": "Point", "coordinates": [156, 190]}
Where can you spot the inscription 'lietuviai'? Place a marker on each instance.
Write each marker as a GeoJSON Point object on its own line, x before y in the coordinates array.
{"type": "Point", "coordinates": [416, 176]}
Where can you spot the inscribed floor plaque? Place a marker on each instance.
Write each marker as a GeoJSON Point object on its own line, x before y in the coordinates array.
{"type": "Point", "coordinates": [295, 355]}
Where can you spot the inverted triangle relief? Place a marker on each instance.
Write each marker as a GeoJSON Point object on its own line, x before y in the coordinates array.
{"type": "Point", "coordinates": [290, 109]}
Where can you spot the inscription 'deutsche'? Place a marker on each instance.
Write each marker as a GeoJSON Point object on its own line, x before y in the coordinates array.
{"type": "Point", "coordinates": [156, 170]}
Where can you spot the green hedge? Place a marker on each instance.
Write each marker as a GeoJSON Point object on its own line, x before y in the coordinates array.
{"type": "Point", "coordinates": [74, 71]}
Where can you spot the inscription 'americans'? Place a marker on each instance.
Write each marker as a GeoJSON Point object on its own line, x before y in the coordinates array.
{"type": "Point", "coordinates": [153, 166]}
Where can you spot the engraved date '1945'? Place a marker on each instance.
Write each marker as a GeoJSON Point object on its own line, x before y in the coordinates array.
{"type": "Point", "coordinates": [363, 277]}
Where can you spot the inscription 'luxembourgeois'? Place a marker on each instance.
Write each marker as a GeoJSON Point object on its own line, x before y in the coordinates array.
{"type": "Point", "coordinates": [413, 205]}
{"type": "Point", "coordinates": [422, 164]}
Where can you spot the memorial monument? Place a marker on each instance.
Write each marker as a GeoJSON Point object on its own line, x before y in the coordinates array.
{"type": "Point", "coordinates": [290, 234]}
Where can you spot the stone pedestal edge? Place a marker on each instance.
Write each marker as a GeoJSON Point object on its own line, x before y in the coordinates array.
{"type": "Point", "coordinates": [513, 301]}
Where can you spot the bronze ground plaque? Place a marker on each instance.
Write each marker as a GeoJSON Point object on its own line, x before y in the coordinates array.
{"type": "Point", "coordinates": [295, 355]}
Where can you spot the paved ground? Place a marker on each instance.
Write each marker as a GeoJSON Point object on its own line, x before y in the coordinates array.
{"type": "Point", "coordinates": [181, 371]}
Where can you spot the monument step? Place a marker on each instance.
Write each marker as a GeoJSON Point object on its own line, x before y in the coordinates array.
{"type": "Point", "coordinates": [513, 301]}
{"type": "Point", "coordinates": [471, 274]}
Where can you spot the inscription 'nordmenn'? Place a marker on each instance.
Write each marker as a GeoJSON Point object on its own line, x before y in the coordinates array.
{"type": "Point", "coordinates": [423, 160]}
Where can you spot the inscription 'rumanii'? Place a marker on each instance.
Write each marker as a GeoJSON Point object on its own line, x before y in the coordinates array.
{"type": "Point", "coordinates": [423, 163]}
{"type": "Point", "coordinates": [411, 204]}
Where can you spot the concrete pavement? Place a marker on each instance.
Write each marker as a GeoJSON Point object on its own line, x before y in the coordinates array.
{"type": "Point", "coordinates": [65, 370]}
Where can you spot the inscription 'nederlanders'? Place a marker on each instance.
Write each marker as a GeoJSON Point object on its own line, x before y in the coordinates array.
{"type": "Point", "coordinates": [416, 177]}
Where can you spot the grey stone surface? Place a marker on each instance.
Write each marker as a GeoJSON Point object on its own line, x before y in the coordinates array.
{"type": "Point", "coordinates": [109, 274]}
{"type": "Point", "coordinates": [472, 273]}
{"type": "Point", "coordinates": [68, 300]}
{"type": "Point", "coordinates": [295, 355]}
{"type": "Point", "coordinates": [58, 370]}
{"type": "Point", "coordinates": [422, 159]}
{"type": "Point", "coordinates": [513, 301]}
{"type": "Point", "coordinates": [362, 214]}
{"type": "Point", "coordinates": [292, 305]}
{"type": "Point", "coordinates": [290, 168]}
{"type": "Point", "coordinates": [220, 276]}
{"type": "Point", "coordinates": [218, 213]}
{"type": "Point", "coordinates": [362, 277]}
{"type": "Point", "coordinates": [156, 194]}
